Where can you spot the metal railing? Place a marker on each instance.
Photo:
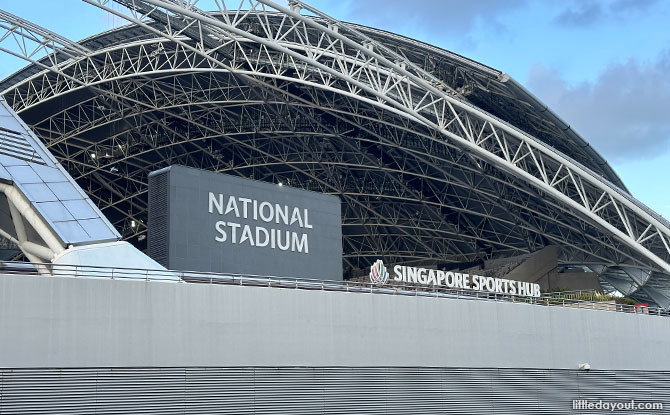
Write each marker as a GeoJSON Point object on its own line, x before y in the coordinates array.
{"type": "Point", "coordinates": [248, 280]}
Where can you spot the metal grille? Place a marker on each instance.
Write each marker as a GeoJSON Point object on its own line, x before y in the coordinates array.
{"type": "Point", "coordinates": [14, 144]}
{"type": "Point", "coordinates": [327, 390]}
{"type": "Point", "coordinates": [158, 231]}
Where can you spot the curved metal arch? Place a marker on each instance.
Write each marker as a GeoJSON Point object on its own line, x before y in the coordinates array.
{"type": "Point", "coordinates": [238, 167]}
{"type": "Point", "coordinates": [90, 69]}
{"type": "Point", "coordinates": [395, 225]}
{"type": "Point", "coordinates": [246, 166]}
{"type": "Point", "coordinates": [84, 150]}
{"type": "Point", "coordinates": [530, 155]}
{"type": "Point", "coordinates": [161, 108]}
{"type": "Point", "coordinates": [33, 40]}
{"type": "Point", "coordinates": [540, 174]}
{"type": "Point", "coordinates": [115, 72]}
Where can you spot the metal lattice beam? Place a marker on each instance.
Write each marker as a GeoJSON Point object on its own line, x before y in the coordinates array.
{"type": "Point", "coordinates": [423, 172]}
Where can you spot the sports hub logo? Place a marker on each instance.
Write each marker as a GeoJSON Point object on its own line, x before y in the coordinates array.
{"type": "Point", "coordinates": [378, 273]}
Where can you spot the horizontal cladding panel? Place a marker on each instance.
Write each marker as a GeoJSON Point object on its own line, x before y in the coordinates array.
{"type": "Point", "coordinates": [320, 390]}
{"type": "Point", "coordinates": [81, 322]}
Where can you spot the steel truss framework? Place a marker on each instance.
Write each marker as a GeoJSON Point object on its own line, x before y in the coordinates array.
{"type": "Point", "coordinates": [404, 133]}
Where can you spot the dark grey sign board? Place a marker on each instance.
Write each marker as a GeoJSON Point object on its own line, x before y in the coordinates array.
{"type": "Point", "coordinates": [205, 221]}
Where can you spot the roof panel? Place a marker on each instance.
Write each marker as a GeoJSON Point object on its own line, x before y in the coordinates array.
{"type": "Point", "coordinates": [46, 184]}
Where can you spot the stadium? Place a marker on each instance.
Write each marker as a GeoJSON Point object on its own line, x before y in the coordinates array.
{"type": "Point", "coordinates": [438, 161]}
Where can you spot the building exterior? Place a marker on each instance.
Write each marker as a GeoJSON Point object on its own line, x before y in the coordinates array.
{"type": "Point", "coordinates": [437, 159]}
{"type": "Point", "coordinates": [439, 162]}
{"type": "Point", "coordinates": [110, 345]}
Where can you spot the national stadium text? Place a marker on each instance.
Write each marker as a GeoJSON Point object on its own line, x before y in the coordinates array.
{"type": "Point", "coordinates": [268, 213]}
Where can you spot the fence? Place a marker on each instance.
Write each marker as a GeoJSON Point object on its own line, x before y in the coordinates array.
{"type": "Point", "coordinates": [393, 288]}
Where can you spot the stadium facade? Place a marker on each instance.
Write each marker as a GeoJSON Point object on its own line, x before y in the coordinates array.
{"type": "Point", "coordinates": [437, 158]}
{"type": "Point", "coordinates": [439, 162]}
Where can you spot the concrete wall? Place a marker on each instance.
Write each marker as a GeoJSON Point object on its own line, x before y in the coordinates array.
{"type": "Point", "coordinates": [68, 322]}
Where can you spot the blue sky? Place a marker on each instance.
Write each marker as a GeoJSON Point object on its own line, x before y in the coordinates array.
{"type": "Point", "coordinates": [602, 65]}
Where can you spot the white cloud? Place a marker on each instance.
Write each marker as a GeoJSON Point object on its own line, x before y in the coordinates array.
{"type": "Point", "coordinates": [453, 17]}
{"type": "Point", "coordinates": [624, 113]}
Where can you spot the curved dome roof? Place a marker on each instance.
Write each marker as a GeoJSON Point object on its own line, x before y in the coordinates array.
{"type": "Point", "coordinates": [437, 159]}
{"type": "Point", "coordinates": [487, 88]}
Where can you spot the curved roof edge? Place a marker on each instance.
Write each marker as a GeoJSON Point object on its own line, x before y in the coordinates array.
{"type": "Point", "coordinates": [502, 77]}
{"type": "Point", "coordinates": [560, 123]}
